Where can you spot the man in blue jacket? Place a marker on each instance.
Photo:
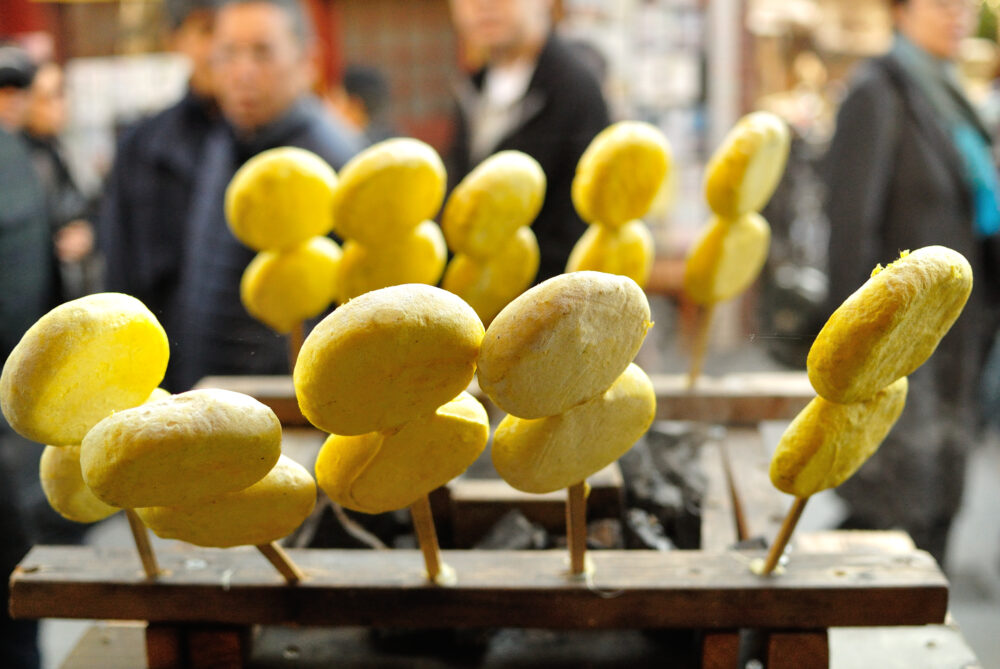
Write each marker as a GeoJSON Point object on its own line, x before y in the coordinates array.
{"type": "Point", "coordinates": [262, 61]}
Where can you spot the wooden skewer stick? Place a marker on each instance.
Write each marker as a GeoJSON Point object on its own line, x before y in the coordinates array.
{"type": "Point", "coordinates": [576, 526]}
{"type": "Point", "coordinates": [423, 524]}
{"type": "Point", "coordinates": [141, 536]}
{"type": "Point", "coordinates": [784, 534]}
{"type": "Point", "coordinates": [295, 339]}
{"type": "Point", "coordinates": [277, 556]}
{"type": "Point", "coordinates": [700, 344]}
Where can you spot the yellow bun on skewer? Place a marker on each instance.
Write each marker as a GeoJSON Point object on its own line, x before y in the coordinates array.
{"type": "Point", "coordinates": [387, 190]}
{"type": "Point", "coordinates": [827, 442]}
{"type": "Point", "coordinates": [626, 250]}
{"type": "Point", "coordinates": [562, 343]}
{"type": "Point", "coordinates": [80, 362]}
{"type": "Point", "coordinates": [726, 258]}
{"type": "Point", "coordinates": [181, 450]}
{"type": "Point", "coordinates": [415, 256]}
{"type": "Point", "coordinates": [890, 325]}
{"type": "Point", "coordinates": [283, 288]}
{"type": "Point", "coordinates": [502, 194]}
{"type": "Point", "coordinates": [489, 286]}
{"type": "Point", "coordinates": [385, 358]}
{"type": "Point", "coordinates": [266, 511]}
{"type": "Point", "coordinates": [280, 198]}
{"type": "Point", "coordinates": [547, 454]}
{"type": "Point", "coordinates": [383, 471]}
{"type": "Point", "coordinates": [620, 173]}
{"type": "Point", "coordinates": [62, 483]}
{"type": "Point", "coordinates": [744, 171]}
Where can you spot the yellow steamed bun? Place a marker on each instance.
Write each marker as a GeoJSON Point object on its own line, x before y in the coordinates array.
{"type": "Point", "coordinates": [280, 198]}
{"type": "Point", "coordinates": [547, 454]}
{"type": "Point", "coordinates": [416, 256]}
{"type": "Point", "coordinates": [387, 190]}
{"type": "Point", "coordinates": [181, 450]}
{"type": "Point", "coordinates": [490, 285]}
{"type": "Point", "coordinates": [266, 511]}
{"type": "Point", "coordinates": [890, 325]}
{"type": "Point", "coordinates": [502, 194]}
{"type": "Point", "coordinates": [726, 258]}
{"type": "Point", "coordinates": [627, 250]}
{"type": "Point", "coordinates": [562, 343]}
{"type": "Point", "coordinates": [621, 173]}
{"type": "Point", "coordinates": [744, 171]}
{"type": "Point", "coordinates": [383, 471]}
{"type": "Point", "coordinates": [385, 358]}
{"type": "Point", "coordinates": [78, 363]}
{"type": "Point", "coordinates": [283, 288]}
{"type": "Point", "coordinates": [62, 483]}
{"type": "Point", "coordinates": [827, 442]}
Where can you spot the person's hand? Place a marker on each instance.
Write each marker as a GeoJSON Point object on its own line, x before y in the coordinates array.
{"type": "Point", "coordinates": [74, 241]}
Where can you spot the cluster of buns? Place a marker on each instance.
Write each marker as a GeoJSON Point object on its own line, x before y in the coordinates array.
{"type": "Point", "coordinates": [385, 375]}
{"type": "Point", "coordinates": [382, 209]}
{"type": "Point", "coordinates": [859, 362]}
{"type": "Point", "coordinates": [739, 180]}
{"type": "Point", "coordinates": [84, 378]}
{"type": "Point", "coordinates": [558, 360]}
{"type": "Point", "coordinates": [279, 203]}
{"type": "Point", "coordinates": [617, 181]}
{"type": "Point", "coordinates": [486, 222]}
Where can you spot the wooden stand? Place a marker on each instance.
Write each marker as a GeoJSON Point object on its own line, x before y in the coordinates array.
{"type": "Point", "coordinates": [207, 599]}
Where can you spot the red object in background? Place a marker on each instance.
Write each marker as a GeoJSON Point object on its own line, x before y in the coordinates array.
{"type": "Point", "coordinates": [25, 16]}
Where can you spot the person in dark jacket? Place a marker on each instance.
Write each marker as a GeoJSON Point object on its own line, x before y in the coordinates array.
{"type": "Point", "coordinates": [69, 209]}
{"type": "Point", "coordinates": [909, 167]}
{"type": "Point", "coordinates": [532, 95]}
{"type": "Point", "coordinates": [141, 228]}
{"type": "Point", "coordinates": [262, 61]}
{"type": "Point", "coordinates": [27, 291]}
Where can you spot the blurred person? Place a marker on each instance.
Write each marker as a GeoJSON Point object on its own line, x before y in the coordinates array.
{"type": "Point", "coordinates": [27, 292]}
{"type": "Point", "coordinates": [69, 209]}
{"type": "Point", "coordinates": [534, 95]}
{"type": "Point", "coordinates": [909, 167]}
{"type": "Point", "coordinates": [141, 226]}
{"type": "Point", "coordinates": [362, 100]}
{"type": "Point", "coordinates": [262, 60]}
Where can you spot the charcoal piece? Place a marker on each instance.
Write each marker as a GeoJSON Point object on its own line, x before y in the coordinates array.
{"type": "Point", "coordinates": [645, 531]}
{"type": "Point", "coordinates": [605, 534]}
{"type": "Point", "coordinates": [663, 476]}
{"type": "Point", "coordinates": [514, 532]}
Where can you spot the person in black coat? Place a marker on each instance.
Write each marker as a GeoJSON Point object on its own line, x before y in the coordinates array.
{"type": "Point", "coordinates": [905, 170]}
{"type": "Point", "coordinates": [148, 192]}
{"type": "Point", "coordinates": [262, 62]}
{"type": "Point", "coordinates": [533, 95]}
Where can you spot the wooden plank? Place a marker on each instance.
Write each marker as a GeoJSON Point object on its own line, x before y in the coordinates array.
{"type": "Point", "coordinates": [760, 506]}
{"type": "Point", "coordinates": [854, 541]}
{"type": "Point", "coordinates": [798, 650]}
{"type": "Point", "coordinates": [720, 650]}
{"type": "Point", "coordinates": [477, 504]}
{"type": "Point", "coordinates": [733, 398]}
{"type": "Point", "coordinates": [302, 444]}
{"type": "Point", "coordinates": [718, 524]}
{"type": "Point", "coordinates": [679, 589]}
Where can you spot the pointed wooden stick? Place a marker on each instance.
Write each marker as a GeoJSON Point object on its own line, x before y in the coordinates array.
{"type": "Point", "coordinates": [700, 344]}
{"type": "Point", "coordinates": [295, 339]}
{"type": "Point", "coordinates": [784, 534]}
{"type": "Point", "coordinates": [277, 556]}
{"type": "Point", "coordinates": [141, 536]}
{"type": "Point", "coordinates": [576, 526]}
{"type": "Point", "coordinates": [423, 524]}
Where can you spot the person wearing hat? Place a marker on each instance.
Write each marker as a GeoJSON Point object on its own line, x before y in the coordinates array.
{"type": "Point", "coordinates": [140, 228]}
{"type": "Point", "coordinates": [27, 291]}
